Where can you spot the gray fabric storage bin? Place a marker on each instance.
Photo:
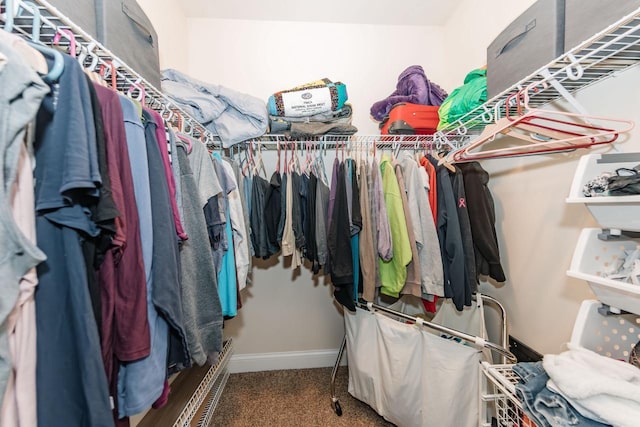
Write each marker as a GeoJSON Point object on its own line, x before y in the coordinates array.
{"type": "Point", "coordinates": [122, 27]}
{"type": "Point", "coordinates": [585, 18]}
{"type": "Point", "coordinates": [82, 13]}
{"type": "Point", "coordinates": [129, 34]}
{"type": "Point", "coordinates": [532, 40]}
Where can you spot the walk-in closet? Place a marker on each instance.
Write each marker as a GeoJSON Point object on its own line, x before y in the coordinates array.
{"type": "Point", "coordinates": [418, 213]}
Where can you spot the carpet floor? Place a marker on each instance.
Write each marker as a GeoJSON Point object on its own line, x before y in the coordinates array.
{"type": "Point", "coordinates": [291, 398]}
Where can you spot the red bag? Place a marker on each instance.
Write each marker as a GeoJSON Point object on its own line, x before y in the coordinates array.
{"type": "Point", "coordinates": [410, 119]}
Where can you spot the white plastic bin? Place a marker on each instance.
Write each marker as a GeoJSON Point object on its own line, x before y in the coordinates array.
{"type": "Point", "coordinates": [612, 336]}
{"type": "Point", "coordinates": [591, 259]}
{"type": "Point", "coordinates": [616, 212]}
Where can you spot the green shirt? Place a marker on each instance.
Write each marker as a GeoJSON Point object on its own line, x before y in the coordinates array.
{"type": "Point", "coordinates": [393, 273]}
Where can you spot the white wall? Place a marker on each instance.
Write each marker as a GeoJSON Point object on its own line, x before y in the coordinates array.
{"type": "Point", "coordinates": [263, 57]}
{"type": "Point", "coordinates": [537, 230]}
{"type": "Point", "coordinates": [170, 22]}
{"type": "Point", "coordinates": [283, 311]}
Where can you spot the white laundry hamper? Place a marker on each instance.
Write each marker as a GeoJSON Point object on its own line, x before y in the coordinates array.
{"type": "Point", "coordinates": [410, 376]}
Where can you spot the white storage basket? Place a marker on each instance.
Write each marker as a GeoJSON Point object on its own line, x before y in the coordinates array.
{"type": "Point", "coordinates": [591, 260]}
{"type": "Point", "coordinates": [616, 212]}
{"type": "Point", "coordinates": [609, 335]}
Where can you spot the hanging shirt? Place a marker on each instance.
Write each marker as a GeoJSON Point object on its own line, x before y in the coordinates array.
{"type": "Point", "coordinates": [482, 218]}
{"type": "Point", "coordinates": [322, 203]}
{"type": "Point", "coordinates": [125, 325]}
{"type": "Point", "coordinates": [227, 273]}
{"type": "Point", "coordinates": [18, 407]}
{"type": "Point", "coordinates": [393, 273]}
{"type": "Point", "coordinates": [471, 284]}
{"type": "Point", "coordinates": [200, 299]}
{"type": "Point", "coordinates": [379, 211]}
{"type": "Point", "coordinates": [272, 211]}
{"type": "Point", "coordinates": [68, 346]}
{"type": "Point", "coordinates": [22, 92]}
{"type": "Point", "coordinates": [412, 284]}
{"type": "Point", "coordinates": [240, 239]}
{"type": "Point", "coordinates": [449, 235]}
{"type": "Point", "coordinates": [339, 236]}
{"type": "Point", "coordinates": [368, 256]}
{"type": "Point", "coordinates": [260, 236]}
{"type": "Point", "coordinates": [141, 382]}
{"type": "Point", "coordinates": [416, 180]}
{"type": "Point", "coordinates": [310, 225]}
{"type": "Point", "coordinates": [433, 188]}
{"type": "Point", "coordinates": [162, 145]}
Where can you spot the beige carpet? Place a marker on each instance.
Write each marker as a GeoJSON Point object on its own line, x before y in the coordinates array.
{"type": "Point", "coordinates": [291, 398]}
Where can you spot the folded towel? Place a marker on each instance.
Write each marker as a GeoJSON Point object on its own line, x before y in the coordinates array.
{"type": "Point", "coordinates": [606, 387]}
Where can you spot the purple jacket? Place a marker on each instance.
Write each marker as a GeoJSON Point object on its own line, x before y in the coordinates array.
{"type": "Point", "coordinates": [413, 87]}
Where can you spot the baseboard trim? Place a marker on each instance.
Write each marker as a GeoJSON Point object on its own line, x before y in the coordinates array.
{"type": "Point", "coordinates": [255, 362]}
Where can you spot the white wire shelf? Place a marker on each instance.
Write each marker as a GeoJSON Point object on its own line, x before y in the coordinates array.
{"type": "Point", "coordinates": [613, 50]}
{"type": "Point", "coordinates": [47, 21]}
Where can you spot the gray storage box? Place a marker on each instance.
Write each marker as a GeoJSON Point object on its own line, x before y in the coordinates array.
{"type": "Point", "coordinates": [585, 18]}
{"type": "Point", "coordinates": [81, 13]}
{"type": "Point", "coordinates": [532, 40]}
{"type": "Point", "coordinates": [129, 34]}
{"type": "Point", "coordinates": [122, 27]}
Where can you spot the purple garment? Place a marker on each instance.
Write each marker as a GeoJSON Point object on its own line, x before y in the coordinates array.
{"type": "Point", "coordinates": [413, 87]}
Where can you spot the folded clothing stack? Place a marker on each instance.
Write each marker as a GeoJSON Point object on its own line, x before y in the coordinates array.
{"type": "Point", "coordinates": [312, 109]}
{"type": "Point", "coordinates": [233, 116]}
{"type": "Point", "coordinates": [579, 387]}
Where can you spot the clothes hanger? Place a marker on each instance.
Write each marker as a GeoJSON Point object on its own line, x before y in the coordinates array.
{"type": "Point", "coordinates": [562, 134]}
{"type": "Point", "coordinates": [72, 40]}
{"type": "Point", "coordinates": [140, 96]}
{"type": "Point", "coordinates": [53, 74]}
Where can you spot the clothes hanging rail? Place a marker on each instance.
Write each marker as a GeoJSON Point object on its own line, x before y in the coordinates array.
{"type": "Point", "coordinates": [406, 142]}
{"type": "Point", "coordinates": [613, 50]}
{"type": "Point", "coordinates": [39, 17]}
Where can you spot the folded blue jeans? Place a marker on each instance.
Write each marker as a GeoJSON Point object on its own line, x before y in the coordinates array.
{"type": "Point", "coordinates": [559, 412]}
{"type": "Point", "coordinates": [534, 379]}
{"type": "Point", "coordinates": [542, 405]}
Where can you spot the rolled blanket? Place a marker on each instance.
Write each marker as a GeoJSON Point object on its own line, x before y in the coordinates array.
{"type": "Point", "coordinates": [309, 99]}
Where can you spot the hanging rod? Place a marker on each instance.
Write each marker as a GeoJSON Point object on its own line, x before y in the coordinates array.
{"type": "Point", "coordinates": [481, 342]}
{"type": "Point", "coordinates": [401, 142]}
{"type": "Point", "coordinates": [19, 17]}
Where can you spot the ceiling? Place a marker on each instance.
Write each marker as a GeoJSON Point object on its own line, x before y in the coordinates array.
{"type": "Point", "coordinates": [376, 12]}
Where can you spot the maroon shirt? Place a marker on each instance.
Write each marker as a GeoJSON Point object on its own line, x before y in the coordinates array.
{"type": "Point", "coordinates": [125, 326]}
